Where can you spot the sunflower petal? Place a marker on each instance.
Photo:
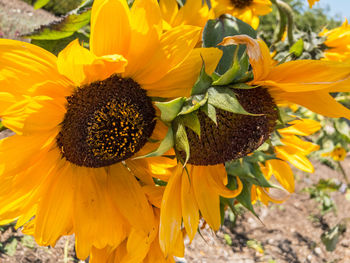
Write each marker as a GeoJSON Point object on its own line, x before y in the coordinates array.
{"type": "Point", "coordinates": [283, 173]}
{"type": "Point", "coordinates": [170, 213]}
{"type": "Point", "coordinates": [110, 28]}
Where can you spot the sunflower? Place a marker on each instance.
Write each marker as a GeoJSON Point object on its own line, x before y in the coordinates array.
{"type": "Point", "coordinates": [337, 154]}
{"type": "Point", "coordinates": [338, 42]}
{"type": "Point", "coordinates": [193, 12]}
{"type": "Point", "coordinates": [292, 149]}
{"type": "Point", "coordinates": [246, 10]}
{"type": "Point", "coordinates": [312, 2]}
{"type": "Point", "coordinates": [307, 83]}
{"type": "Point", "coordinates": [81, 117]}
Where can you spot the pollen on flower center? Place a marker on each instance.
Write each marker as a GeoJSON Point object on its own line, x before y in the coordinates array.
{"type": "Point", "coordinates": [235, 135]}
{"type": "Point", "coordinates": [241, 3]}
{"type": "Point", "coordinates": [106, 122]}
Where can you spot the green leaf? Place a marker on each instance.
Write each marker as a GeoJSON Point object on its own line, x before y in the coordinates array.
{"type": "Point", "coordinates": [63, 28]}
{"type": "Point", "coordinates": [165, 145]}
{"type": "Point", "coordinates": [203, 82]}
{"type": "Point", "coordinates": [56, 46]}
{"type": "Point", "coordinates": [245, 196]}
{"type": "Point", "coordinates": [342, 127]}
{"type": "Point", "coordinates": [228, 239]}
{"type": "Point", "coordinates": [246, 170]}
{"type": "Point", "coordinates": [225, 99]}
{"type": "Point", "coordinates": [191, 121]}
{"type": "Point", "coordinates": [210, 111]}
{"type": "Point", "coordinates": [170, 109]}
{"type": "Point", "coordinates": [226, 25]}
{"type": "Point", "coordinates": [297, 48]}
{"type": "Point", "coordinates": [231, 73]}
{"type": "Point", "coordinates": [40, 3]}
{"type": "Point", "coordinates": [181, 140]}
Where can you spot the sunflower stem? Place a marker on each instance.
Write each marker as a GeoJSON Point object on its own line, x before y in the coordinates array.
{"type": "Point", "coordinates": [286, 11]}
{"type": "Point", "coordinates": [282, 24]}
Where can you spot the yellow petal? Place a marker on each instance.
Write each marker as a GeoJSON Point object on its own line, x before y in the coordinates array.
{"type": "Point", "coordinates": [154, 194]}
{"type": "Point", "coordinates": [179, 81]}
{"type": "Point", "coordinates": [168, 9]}
{"type": "Point", "coordinates": [291, 155]}
{"type": "Point", "coordinates": [81, 66]}
{"type": "Point", "coordinates": [258, 52]}
{"type": "Point", "coordinates": [170, 214]}
{"type": "Point", "coordinates": [110, 28]}
{"type": "Point", "coordinates": [317, 101]}
{"type": "Point", "coordinates": [129, 198]}
{"type": "Point", "coordinates": [190, 213]}
{"type": "Point", "coordinates": [283, 173]}
{"type": "Point", "coordinates": [146, 24]}
{"type": "Point", "coordinates": [54, 215]}
{"type": "Point", "coordinates": [302, 127]}
{"type": "Point", "coordinates": [217, 176]}
{"type": "Point", "coordinates": [303, 147]}
{"type": "Point", "coordinates": [208, 200]}
{"type": "Point", "coordinates": [308, 75]}
{"type": "Point", "coordinates": [175, 46]}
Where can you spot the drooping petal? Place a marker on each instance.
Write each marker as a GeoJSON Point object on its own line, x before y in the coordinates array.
{"type": "Point", "coordinates": [127, 194]}
{"type": "Point", "coordinates": [301, 127]}
{"type": "Point", "coordinates": [170, 214]}
{"type": "Point", "coordinates": [207, 199]}
{"type": "Point", "coordinates": [216, 177]}
{"type": "Point", "coordinates": [110, 28]}
{"type": "Point", "coordinates": [283, 173]}
{"type": "Point", "coordinates": [303, 147]}
{"type": "Point", "coordinates": [190, 213]}
{"type": "Point", "coordinates": [258, 52]}
{"type": "Point", "coordinates": [296, 158]}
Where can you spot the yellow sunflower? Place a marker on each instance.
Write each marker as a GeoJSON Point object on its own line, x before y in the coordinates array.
{"type": "Point", "coordinates": [307, 83]}
{"type": "Point", "coordinates": [246, 10]}
{"type": "Point", "coordinates": [80, 117]}
{"type": "Point", "coordinates": [293, 150]}
{"type": "Point", "coordinates": [338, 42]}
{"type": "Point", "coordinates": [193, 12]}
{"type": "Point", "coordinates": [312, 2]}
{"type": "Point", "coordinates": [337, 154]}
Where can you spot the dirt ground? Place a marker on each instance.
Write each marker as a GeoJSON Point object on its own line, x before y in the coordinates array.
{"type": "Point", "coordinates": [287, 233]}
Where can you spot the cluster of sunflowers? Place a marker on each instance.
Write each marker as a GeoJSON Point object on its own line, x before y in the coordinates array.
{"type": "Point", "coordinates": [172, 114]}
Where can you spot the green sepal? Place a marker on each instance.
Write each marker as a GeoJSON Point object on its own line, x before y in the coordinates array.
{"type": "Point", "coordinates": [165, 145]}
{"type": "Point", "coordinates": [225, 99]}
{"type": "Point", "coordinates": [284, 117]}
{"type": "Point", "coordinates": [191, 121]}
{"type": "Point", "coordinates": [259, 157]}
{"type": "Point", "coordinates": [194, 103]}
{"type": "Point", "coordinates": [226, 25]}
{"type": "Point", "coordinates": [63, 28]}
{"type": "Point", "coordinates": [297, 48]}
{"type": "Point", "coordinates": [203, 82]}
{"type": "Point", "coordinates": [181, 139]}
{"type": "Point", "coordinates": [210, 111]}
{"type": "Point", "coordinates": [229, 76]}
{"type": "Point", "coordinates": [40, 3]}
{"type": "Point", "coordinates": [245, 196]}
{"type": "Point", "coordinates": [242, 86]}
{"type": "Point", "coordinates": [249, 171]}
{"type": "Point", "coordinates": [170, 109]}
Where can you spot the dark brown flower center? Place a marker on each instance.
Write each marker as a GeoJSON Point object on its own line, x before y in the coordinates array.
{"type": "Point", "coordinates": [241, 3]}
{"type": "Point", "coordinates": [106, 122]}
{"type": "Point", "coordinates": [235, 135]}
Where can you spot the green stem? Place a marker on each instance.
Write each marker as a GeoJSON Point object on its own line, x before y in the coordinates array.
{"type": "Point", "coordinates": [282, 24]}
{"type": "Point", "coordinates": [286, 11]}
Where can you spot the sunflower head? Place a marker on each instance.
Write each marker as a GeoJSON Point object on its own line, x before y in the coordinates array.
{"type": "Point", "coordinates": [241, 3]}
{"type": "Point", "coordinates": [106, 122]}
{"type": "Point", "coordinates": [233, 135]}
